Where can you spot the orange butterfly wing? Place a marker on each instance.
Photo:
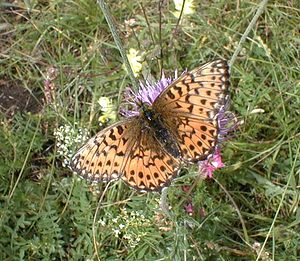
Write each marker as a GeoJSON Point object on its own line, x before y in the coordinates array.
{"type": "Point", "coordinates": [190, 107]}
{"type": "Point", "coordinates": [127, 150]}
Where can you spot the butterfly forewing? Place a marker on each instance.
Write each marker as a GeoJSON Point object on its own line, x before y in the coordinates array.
{"type": "Point", "coordinates": [104, 156]}
{"type": "Point", "coordinates": [190, 105]}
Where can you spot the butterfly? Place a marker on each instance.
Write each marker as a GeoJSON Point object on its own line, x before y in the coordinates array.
{"type": "Point", "coordinates": [180, 126]}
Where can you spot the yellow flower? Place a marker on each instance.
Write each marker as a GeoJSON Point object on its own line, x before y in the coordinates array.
{"type": "Point", "coordinates": [102, 120]}
{"type": "Point", "coordinates": [187, 10]}
{"type": "Point", "coordinates": [134, 61]}
{"type": "Point", "coordinates": [108, 112]}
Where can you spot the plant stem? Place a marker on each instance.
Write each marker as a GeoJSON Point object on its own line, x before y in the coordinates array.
{"type": "Point", "coordinates": [118, 41]}
{"type": "Point", "coordinates": [247, 31]}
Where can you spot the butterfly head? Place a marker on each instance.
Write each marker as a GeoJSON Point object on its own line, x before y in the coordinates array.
{"type": "Point", "coordinates": [147, 111]}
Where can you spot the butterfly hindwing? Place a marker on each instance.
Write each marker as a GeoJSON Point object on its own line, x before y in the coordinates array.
{"type": "Point", "coordinates": [149, 166]}
{"type": "Point", "coordinates": [196, 139]}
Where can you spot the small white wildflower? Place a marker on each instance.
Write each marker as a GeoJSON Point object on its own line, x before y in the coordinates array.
{"type": "Point", "coordinates": [66, 162]}
{"type": "Point", "coordinates": [121, 226]}
{"type": "Point", "coordinates": [127, 236]}
{"type": "Point", "coordinates": [116, 232]}
{"type": "Point", "coordinates": [130, 226]}
{"type": "Point", "coordinates": [101, 222]}
{"type": "Point", "coordinates": [67, 139]}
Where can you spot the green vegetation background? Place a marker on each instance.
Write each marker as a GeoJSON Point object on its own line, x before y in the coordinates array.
{"type": "Point", "coordinates": [46, 213]}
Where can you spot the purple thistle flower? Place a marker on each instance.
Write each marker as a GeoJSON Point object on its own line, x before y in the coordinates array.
{"type": "Point", "coordinates": [146, 94]}
{"type": "Point", "coordinates": [227, 122]}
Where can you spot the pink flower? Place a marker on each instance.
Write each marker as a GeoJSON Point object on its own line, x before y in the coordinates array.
{"type": "Point", "coordinates": [189, 208]}
{"type": "Point", "coordinates": [185, 188]}
{"type": "Point", "coordinates": [207, 167]}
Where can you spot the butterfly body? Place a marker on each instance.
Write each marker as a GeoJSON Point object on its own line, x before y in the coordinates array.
{"type": "Point", "coordinates": [180, 126]}
{"type": "Point", "coordinates": [161, 133]}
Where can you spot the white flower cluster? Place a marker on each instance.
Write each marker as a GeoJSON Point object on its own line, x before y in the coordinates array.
{"type": "Point", "coordinates": [67, 140]}
{"type": "Point", "coordinates": [130, 226]}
